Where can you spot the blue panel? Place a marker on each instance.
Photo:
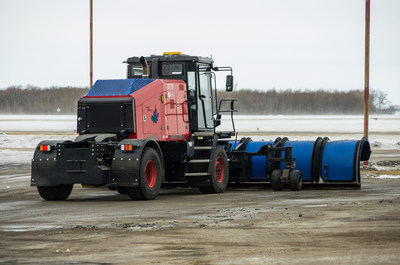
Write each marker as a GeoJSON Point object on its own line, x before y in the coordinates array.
{"type": "Point", "coordinates": [303, 152]}
{"type": "Point", "coordinates": [338, 161]}
{"type": "Point", "coordinates": [118, 87]}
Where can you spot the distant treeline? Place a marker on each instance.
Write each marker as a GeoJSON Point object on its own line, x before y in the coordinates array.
{"type": "Point", "coordinates": [308, 101]}
{"type": "Point", "coordinates": [35, 100]}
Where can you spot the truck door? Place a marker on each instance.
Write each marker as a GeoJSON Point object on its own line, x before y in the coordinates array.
{"type": "Point", "coordinates": [205, 106]}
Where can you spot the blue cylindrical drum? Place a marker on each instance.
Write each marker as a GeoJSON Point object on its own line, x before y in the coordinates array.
{"type": "Point", "coordinates": [341, 160]}
{"type": "Point", "coordinates": [302, 151]}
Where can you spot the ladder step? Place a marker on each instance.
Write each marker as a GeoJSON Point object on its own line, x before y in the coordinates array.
{"type": "Point", "coordinates": [204, 134]}
{"type": "Point", "coordinates": [199, 161]}
{"type": "Point", "coordinates": [225, 134]}
{"type": "Point", "coordinates": [194, 174]}
{"type": "Point", "coordinates": [202, 147]}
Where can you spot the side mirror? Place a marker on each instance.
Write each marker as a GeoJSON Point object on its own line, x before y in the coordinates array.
{"type": "Point", "coordinates": [229, 83]}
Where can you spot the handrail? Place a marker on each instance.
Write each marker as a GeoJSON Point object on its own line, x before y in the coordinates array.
{"type": "Point", "coordinates": [232, 109]}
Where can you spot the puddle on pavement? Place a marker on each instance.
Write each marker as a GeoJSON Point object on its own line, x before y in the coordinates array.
{"type": "Point", "coordinates": [315, 205]}
{"type": "Point", "coordinates": [24, 228]}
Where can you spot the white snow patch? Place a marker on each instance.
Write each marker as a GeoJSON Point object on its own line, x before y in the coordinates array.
{"type": "Point", "coordinates": [8, 156]}
{"type": "Point", "coordinates": [10, 141]}
{"type": "Point", "coordinates": [388, 177]}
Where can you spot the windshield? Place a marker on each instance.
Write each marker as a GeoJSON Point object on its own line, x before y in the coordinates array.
{"type": "Point", "coordinates": [172, 69]}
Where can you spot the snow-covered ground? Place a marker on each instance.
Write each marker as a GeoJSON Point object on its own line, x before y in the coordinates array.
{"type": "Point", "coordinates": [38, 123]}
{"type": "Point", "coordinates": [18, 149]}
{"type": "Point", "coordinates": [20, 134]}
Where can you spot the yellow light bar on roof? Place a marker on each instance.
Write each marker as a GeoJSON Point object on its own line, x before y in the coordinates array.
{"type": "Point", "coordinates": [172, 53]}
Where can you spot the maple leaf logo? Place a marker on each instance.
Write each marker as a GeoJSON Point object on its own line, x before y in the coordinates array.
{"type": "Point", "coordinates": [154, 117]}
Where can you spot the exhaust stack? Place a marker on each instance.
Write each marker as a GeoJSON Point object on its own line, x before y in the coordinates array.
{"type": "Point", "coordinates": [145, 66]}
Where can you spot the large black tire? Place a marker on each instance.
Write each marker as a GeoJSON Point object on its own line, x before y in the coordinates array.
{"type": "Point", "coordinates": [55, 193]}
{"type": "Point", "coordinates": [295, 180]}
{"type": "Point", "coordinates": [219, 174]}
{"type": "Point", "coordinates": [122, 190]}
{"type": "Point", "coordinates": [150, 175]}
{"type": "Point", "coordinates": [276, 182]}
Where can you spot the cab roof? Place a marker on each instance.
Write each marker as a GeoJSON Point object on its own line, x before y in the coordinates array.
{"type": "Point", "coordinates": [172, 58]}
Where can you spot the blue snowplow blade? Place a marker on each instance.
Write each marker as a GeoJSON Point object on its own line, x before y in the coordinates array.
{"type": "Point", "coordinates": [330, 161]}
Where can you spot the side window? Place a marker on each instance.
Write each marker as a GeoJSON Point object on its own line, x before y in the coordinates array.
{"type": "Point", "coordinates": [135, 70]}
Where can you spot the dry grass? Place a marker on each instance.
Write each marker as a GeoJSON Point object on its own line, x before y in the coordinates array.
{"type": "Point", "coordinates": [394, 172]}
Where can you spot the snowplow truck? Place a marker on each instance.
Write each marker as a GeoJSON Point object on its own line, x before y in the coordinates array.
{"type": "Point", "coordinates": [159, 127]}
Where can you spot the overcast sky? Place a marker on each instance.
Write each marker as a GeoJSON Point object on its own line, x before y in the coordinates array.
{"type": "Point", "coordinates": [299, 44]}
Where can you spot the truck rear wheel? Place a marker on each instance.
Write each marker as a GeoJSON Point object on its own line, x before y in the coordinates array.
{"type": "Point", "coordinates": [219, 174]}
{"type": "Point", "coordinates": [55, 193]}
{"type": "Point", "coordinates": [150, 174]}
{"type": "Point", "coordinates": [121, 190]}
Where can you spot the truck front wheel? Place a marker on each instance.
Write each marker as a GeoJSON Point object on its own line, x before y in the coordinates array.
{"type": "Point", "coordinates": [55, 193]}
{"type": "Point", "coordinates": [150, 174]}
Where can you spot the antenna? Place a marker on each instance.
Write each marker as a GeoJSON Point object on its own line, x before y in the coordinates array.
{"type": "Point", "coordinates": [91, 44]}
{"type": "Point", "coordinates": [366, 74]}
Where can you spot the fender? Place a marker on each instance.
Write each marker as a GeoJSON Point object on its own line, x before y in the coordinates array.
{"type": "Point", "coordinates": [44, 165]}
{"type": "Point", "coordinates": [125, 165]}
